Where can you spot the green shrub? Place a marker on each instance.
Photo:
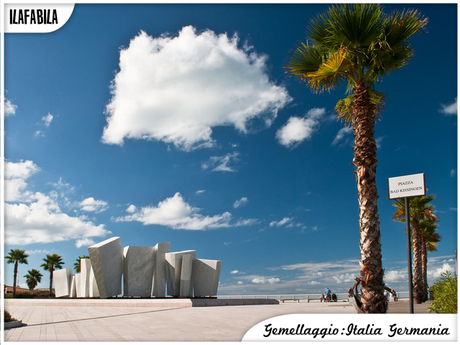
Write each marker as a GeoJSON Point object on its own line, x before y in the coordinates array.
{"type": "Point", "coordinates": [8, 317]}
{"type": "Point", "coordinates": [32, 294]}
{"type": "Point", "coordinates": [444, 292]}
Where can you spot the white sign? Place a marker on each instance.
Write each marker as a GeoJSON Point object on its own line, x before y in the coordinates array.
{"type": "Point", "coordinates": [406, 186]}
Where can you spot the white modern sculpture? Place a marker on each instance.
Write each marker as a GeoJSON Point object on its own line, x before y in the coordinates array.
{"type": "Point", "coordinates": [159, 273]}
{"type": "Point", "coordinates": [107, 261]}
{"type": "Point", "coordinates": [93, 290]}
{"type": "Point", "coordinates": [62, 282]}
{"type": "Point", "coordinates": [206, 277]}
{"type": "Point", "coordinates": [138, 265]}
{"type": "Point", "coordinates": [73, 289]}
{"type": "Point", "coordinates": [77, 285]}
{"type": "Point", "coordinates": [179, 273]}
{"type": "Point", "coordinates": [85, 270]}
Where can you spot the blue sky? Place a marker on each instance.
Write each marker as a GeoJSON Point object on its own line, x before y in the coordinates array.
{"type": "Point", "coordinates": [177, 123]}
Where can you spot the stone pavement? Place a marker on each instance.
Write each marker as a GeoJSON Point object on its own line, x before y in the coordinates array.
{"type": "Point", "coordinates": [151, 322]}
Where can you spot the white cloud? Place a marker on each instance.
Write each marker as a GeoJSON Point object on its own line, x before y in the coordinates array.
{"type": "Point", "coordinates": [284, 221]}
{"type": "Point", "coordinates": [34, 217]}
{"type": "Point", "coordinates": [449, 109]}
{"type": "Point", "coordinates": [177, 89]}
{"type": "Point", "coordinates": [201, 191]}
{"type": "Point", "coordinates": [234, 272]}
{"type": "Point", "coordinates": [131, 209]}
{"type": "Point", "coordinates": [297, 129]}
{"type": "Point", "coordinates": [241, 202]}
{"type": "Point", "coordinates": [87, 242]}
{"type": "Point", "coordinates": [221, 163]}
{"type": "Point", "coordinates": [264, 280]}
{"type": "Point", "coordinates": [47, 119]}
{"type": "Point", "coordinates": [22, 170]}
{"type": "Point", "coordinates": [16, 174]}
{"type": "Point", "coordinates": [175, 213]}
{"type": "Point", "coordinates": [341, 135]}
{"type": "Point", "coordinates": [92, 205]}
{"type": "Point", "coordinates": [453, 172]}
{"type": "Point", "coordinates": [9, 108]}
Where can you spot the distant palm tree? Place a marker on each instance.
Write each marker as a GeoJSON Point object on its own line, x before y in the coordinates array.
{"type": "Point", "coordinates": [33, 277]}
{"type": "Point", "coordinates": [52, 262]}
{"type": "Point", "coordinates": [16, 256]}
{"type": "Point", "coordinates": [420, 209]}
{"type": "Point", "coordinates": [358, 44]}
{"type": "Point", "coordinates": [77, 263]}
{"type": "Point", "coordinates": [430, 239]}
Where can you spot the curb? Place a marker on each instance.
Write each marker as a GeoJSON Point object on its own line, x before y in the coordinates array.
{"type": "Point", "coordinates": [13, 324]}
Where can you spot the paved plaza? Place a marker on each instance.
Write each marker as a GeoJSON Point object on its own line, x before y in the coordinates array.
{"type": "Point", "coordinates": [156, 320]}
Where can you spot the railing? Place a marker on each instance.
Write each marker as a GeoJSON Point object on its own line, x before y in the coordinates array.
{"type": "Point", "coordinates": [301, 297]}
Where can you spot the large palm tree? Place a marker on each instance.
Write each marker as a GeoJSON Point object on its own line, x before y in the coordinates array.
{"type": "Point", "coordinates": [16, 256]}
{"type": "Point", "coordinates": [51, 262]}
{"type": "Point", "coordinates": [358, 44]}
{"type": "Point", "coordinates": [33, 277]}
{"type": "Point", "coordinates": [430, 239]}
{"type": "Point", "coordinates": [420, 209]}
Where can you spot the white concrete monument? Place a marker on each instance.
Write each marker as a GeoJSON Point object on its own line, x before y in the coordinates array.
{"type": "Point", "coordinates": [159, 273]}
{"type": "Point", "coordinates": [179, 273]}
{"type": "Point", "coordinates": [85, 270]}
{"type": "Point", "coordinates": [93, 290]}
{"type": "Point", "coordinates": [73, 289]}
{"type": "Point", "coordinates": [62, 282]}
{"type": "Point", "coordinates": [107, 261]}
{"type": "Point", "coordinates": [138, 265]}
{"type": "Point", "coordinates": [77, 285]}
{"type": "Point", "coordinates": [206, 277]}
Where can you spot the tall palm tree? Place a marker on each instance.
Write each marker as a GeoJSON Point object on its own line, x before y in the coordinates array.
{"type": "Point", "coordinates": [33, 277]}
{"type": "Point", "coordinates": [420, 209]}
{"type": "Point", "coordinates": [430, 239]}
{"type": "Point", "coordinates": [16, 256]}
{"type": "Point", "coordinates": [77, 263]}
{"type": "Point", "coordinates": [51, 262]}
{"type": "Point", "coordinates": [358, 44]}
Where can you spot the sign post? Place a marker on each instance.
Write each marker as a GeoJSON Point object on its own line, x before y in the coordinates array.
{"type": "Point", "coordinates": [406, 187]}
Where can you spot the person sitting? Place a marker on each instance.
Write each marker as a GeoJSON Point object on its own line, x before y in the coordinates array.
{"type": "Point", "coordinates": [334, 297]}
{"type": "Point", "coordinates": [328, 292]}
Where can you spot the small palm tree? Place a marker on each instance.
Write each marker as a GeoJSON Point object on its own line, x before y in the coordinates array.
{"type": "Point", "coordinates": [16, 256]}
{"type": "Point", "coordinates": [77, 263]}
{"type": "Point", "coordinates": [358, 44]}
{"type": "Point", "coordinates": [33, 277]}
{"type": "Point", "coordinates": [51, 262]}
{"type": "Point", "coordinates": [420, 209]}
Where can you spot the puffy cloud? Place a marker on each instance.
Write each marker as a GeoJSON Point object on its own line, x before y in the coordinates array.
{"type": "Point", "coordinates": [175, 213]}
{"type": "Point", "coordinates": [47, 119]}
{"type": "Point", "coordinates": [264, 280]}
{"type": "Point", "coordinates": [341, 135]}
{"type": "Point", "coordinates": [449, 109]}
{"type": "Point", "coordinates": [297, 129]}
{"type": "Point", "coordinates": [234, 272]}
{"type": "Point", "coordinates": [241, 202]}
{"type": "Point", "coordinates": [176, 89]}
{"type": "Point", "coordinates": [9, 108]}
{"type": "Point", "coordinates": [92, 205]}
{"type": "Point", "coordinates": [221, 163]}
{"type": "Point", "coordinates": [15, 175]}
{"type": "Point", "coordinates": [87, 242]}
{"type": "Point", "coordinates": [34, 217]}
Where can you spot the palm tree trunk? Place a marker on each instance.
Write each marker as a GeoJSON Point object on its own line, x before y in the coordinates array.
{"type": "Point", "coordinates": [365, 160]}
{"type": "Point", "coordinates": [51, 282]}
{"type": "Point", "coordinates": [417, 261]}
{"type": "Point", "coordinates": [16, 264]}
{"type": "Point", "coordinates": [424, 272]}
